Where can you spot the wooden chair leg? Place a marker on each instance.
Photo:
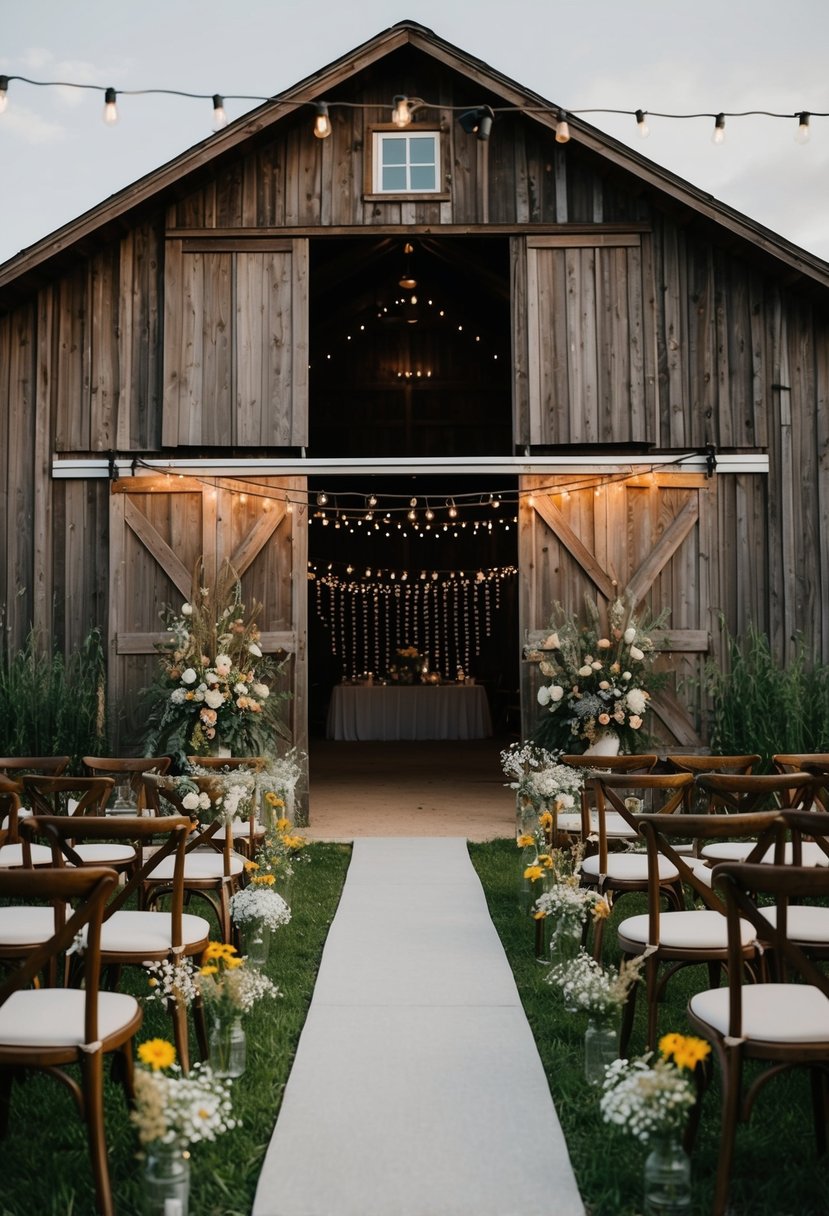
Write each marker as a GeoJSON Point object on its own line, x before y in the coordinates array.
{"type": "Point", "coordinates": [200, 1023]}
{"type": "Point", "coordinates": [93, 1085]}
{"type": "Point", "coordinates": [820, 1094]}
{"type": "Point", "coordinates": [6, 1079]}
{"type": "Point", "coordinates": [732, 1071]}
{"type": "Point", "coordinates": [652, 989]}
{"type": "Point", "coordinates": [628, 1015]}
{"type": "Point", "coordinates": [178, 1012]}
{"type": "Point", "coordinates": [713, 973]}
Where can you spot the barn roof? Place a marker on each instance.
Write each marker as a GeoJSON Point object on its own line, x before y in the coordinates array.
{"type": "Point", "coordinates": [32, 266]}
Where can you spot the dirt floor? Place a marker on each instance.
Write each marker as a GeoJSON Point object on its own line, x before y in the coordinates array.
{"type": "Point", "coordinates": [409, 789]}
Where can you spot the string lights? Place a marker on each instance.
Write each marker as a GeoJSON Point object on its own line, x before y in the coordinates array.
{"type": "Point", "coordinates": [476, 118]}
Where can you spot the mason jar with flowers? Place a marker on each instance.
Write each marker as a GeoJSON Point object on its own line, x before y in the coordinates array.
{"type": "Point", "coordinates": [215, 687]}
{"type": "Point", "coordinates": [597, 687]}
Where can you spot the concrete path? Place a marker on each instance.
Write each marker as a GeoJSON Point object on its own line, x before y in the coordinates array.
{"type": "Point", "coordinates": [417, 1088]}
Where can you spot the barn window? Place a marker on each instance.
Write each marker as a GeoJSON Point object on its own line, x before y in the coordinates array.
{"type": "Point", "coordinates": [406, 162]}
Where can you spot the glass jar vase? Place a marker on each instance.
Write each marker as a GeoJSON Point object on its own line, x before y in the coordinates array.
{"type": "Point", "coordinates": [667, 1178]}
{"type": "Point", "coordinates": [256, 942]}
{"type": "Point", "coordinates": [166, 1182]}
{"type": "Point", "coordinates": [228, 1046]}
{"type": "Point", "coordinates": [601, 1047]}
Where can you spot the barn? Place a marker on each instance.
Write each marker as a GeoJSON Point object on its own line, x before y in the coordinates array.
{"type": "Point", "coordinates": [420, 354]}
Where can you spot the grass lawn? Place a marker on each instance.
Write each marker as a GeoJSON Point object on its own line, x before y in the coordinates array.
{"type": "Point", "coordinates": [775, 1170]}
{"type": "Point", "coordinates": [45, 1159]}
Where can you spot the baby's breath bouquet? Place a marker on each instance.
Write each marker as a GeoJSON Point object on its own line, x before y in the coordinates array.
{"type": "Point", "coordinates": [588, 987]}
{"type": "Point", "coordinates": [215, 684]}
{"type": "Point", "coordinates": [259, 902]}
{"type": "Point", "coordinates": [595, 681]}
{"type": "Point", "coordinates": [569, 905]}
{"type": "Point", "coordinates": [176, 1110]}
{"type": "Point", "coordinates": [652, 1098]}
{"type": "Point", "coordinates": [227, 985]}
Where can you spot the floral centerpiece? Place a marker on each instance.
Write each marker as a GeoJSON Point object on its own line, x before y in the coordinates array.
{"type": "Point", "coordinates": [215, 684]}
{"type": "Point", "coordinates": [652, 1098]}
{"type": "Point", "coordinates": [258, 902]}
{"type": "Point", "coordinates": [407, 666]}
{"type": "Point", "coordinates": [543, 787]}
{"type": "Point", "coordinates": [226, 985]}
{"type": "Point", "coordinates": [588, 987]}
{"type": "Point", "coordinates": [593, 682]}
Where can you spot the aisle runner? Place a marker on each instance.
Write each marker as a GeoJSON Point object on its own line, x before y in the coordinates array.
{"type": "Point", "coordinates": [417, 1088]}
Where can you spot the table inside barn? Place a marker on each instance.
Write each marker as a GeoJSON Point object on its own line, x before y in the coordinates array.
{"type": "Point", "coordinates": [360, 712]}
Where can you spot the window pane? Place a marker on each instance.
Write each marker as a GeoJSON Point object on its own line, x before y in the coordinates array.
{"type": "Point", "coordinates": [423, 177]}
{"type": "Point", "coordinates": [394, 151]}
{"type": "Point", "coordinates": [394, 178]}
{"type": "Point", "coordinates": [422, 150]}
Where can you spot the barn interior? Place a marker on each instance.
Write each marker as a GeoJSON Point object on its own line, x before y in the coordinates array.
{"type": "Point", "coordinates": [410, 358]}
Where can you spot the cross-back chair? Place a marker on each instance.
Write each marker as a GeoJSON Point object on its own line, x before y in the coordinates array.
{"type": "Point", "coordinates": [584, 822]}
{"type": "Point", "coordinates": [626, 796]}
{"type": "Point", "coordinates": [248, 833]}
{"type": "Point", "coordinates": [816, 764]}
{"type": "Point", "coordinates": [134, 936]}
{"type": "Point", "coordinates": [210, 873]}
{"type": "Point", "coordinates": [49, 1028]}
{"type": "Point", "coordinates": [128, 770]}
{"type": "Point", "coordinates": [22, 927]}
{"type": "Point", "coordinates": [674, 939]}
{"type": "Point", "coordinates": [728, 793]}
{"type": "Point", "coordinates": [777, 1024]}
{"type": "Point", "coordinates": [11, 815]}
{"type": "Point", "coordinates": [700, 802]}
{"type": "Point", "coordinates": [78, 797]}
{"type": "Point", "coordinates": [47, 766]}
{"type": "Point", "coordinates": [807, 924]}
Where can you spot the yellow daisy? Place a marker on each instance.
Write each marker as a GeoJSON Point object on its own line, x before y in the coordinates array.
{"type": "Point", "coordinates": [157, 1053]}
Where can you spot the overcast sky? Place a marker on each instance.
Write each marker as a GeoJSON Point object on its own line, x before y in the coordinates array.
{"type": "Point", "coordinates": [59, 159]}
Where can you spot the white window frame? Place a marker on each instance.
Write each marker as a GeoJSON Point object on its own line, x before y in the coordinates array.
{"type": "Point", "coordinates": [380, 137]}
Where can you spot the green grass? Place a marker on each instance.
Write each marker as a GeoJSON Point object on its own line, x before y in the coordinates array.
{"type": "Point", "coordinates": [775, 1171]}
{"type": "Point", "coordinates": [45, 1158]}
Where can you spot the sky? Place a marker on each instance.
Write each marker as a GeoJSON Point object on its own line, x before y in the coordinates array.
{"type": "Point", "coordinates": [59, 159]}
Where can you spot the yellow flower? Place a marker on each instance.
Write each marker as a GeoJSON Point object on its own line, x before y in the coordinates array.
{"type": "Point", "coordinates": [546, 820]}
{"type": "Point", "coordinates": [262, 880]}
{"type": "Point", "coordinates": [525, 841]}
{"type": "Point", "coordinates": [533, 873]}
{"type": "Point", "coordinates": [213, 950]}
{"type": "Point", "coordinates": [208, 969]}
{"type": "Point", "coordinates": [293, 842]}
{"type": "Point", "coordinates": [273, 799]}
{"type": "Point", "coordinates": [546, 861]}
{"type": "Point", "coordinates": [539, 915]}
{"type": "Point", "coordinates": [601, 910]}
{"type": "Point", "coordinates": [231, 962]}
{"type": "Point", "coordinates": [687, 1050]}
{"type": "Point", "coordinates": [251, 865]}
{"type": "Point", "coordinates": [153, 982]}
{"type": "Point", "coordinates": [282, 825]}
{"type": "Point", "coordinates": [669, 1043]}
{"type": "Point", "coordinates": [158, 1053]}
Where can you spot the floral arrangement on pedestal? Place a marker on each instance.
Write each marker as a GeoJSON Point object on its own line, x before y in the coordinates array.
{"type": "Point", "coordinates": [408, 665]}
{"type": "Point", "coordinates": [215, 685]}
{"type": "Point", "coordinates": [595, 682]}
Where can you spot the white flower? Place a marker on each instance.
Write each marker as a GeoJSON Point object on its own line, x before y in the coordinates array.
{"type": "Point", "coordinates": [213, 698]}
{"type": "Point", "coordinates": [254, 650]}
{"type": "Point", "coordinates": [259, 903]}
{"type": "Point", "coordinates": [636, 700]}
{"type": "Point", "coordinates": [223, 664]}
{"type": "Point", "coordinates": [204, 801]}
{"type": "Point", "coordinates": [551, 642]}
{"type": "Point", "coordinates": [178, 696]}
{"type": "Point", "coordinates": [626, 675]}
{"type": "Point", "coordinates": [636, 653]}
{"type": "Point", "coordinates": [603, 644]}
{"type": "Point", "coordinates": [241, 688]}
{"type": "Point", "coordinates": [547, 669]}
{"type": "Point", "coordinates": [211, 678]}
{"type": "Point", "coordinates": [556, 692]}
{"type": "Point", "coordinates": [543, 695]}
{"type": "Point", "coordinates": [629, 635]}
{"type": "Point", "coordinates": [190, 801]}
{"type": "Point", "coordinates": [260, 690]}
{"type": "Point", "coordinates": [587, 670]}
{"type": "Point", "coordinates": [186, 610]}
{"type": "Point", "coordinates": [188, 676]}
{"type": "Point", "coordinates": [596, 665]}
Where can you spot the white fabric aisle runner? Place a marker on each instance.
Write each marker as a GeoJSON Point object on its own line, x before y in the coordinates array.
{"type": "Point", "coordinates": [417, 1088]}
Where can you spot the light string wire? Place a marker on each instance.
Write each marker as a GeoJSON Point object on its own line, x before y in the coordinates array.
{"type": "Point", "coordinates": [414, 102]}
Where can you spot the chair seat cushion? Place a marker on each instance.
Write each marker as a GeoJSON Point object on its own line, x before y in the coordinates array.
{"type": "Point", "coordinates": [131, 932]}
{"type": "Point", "coordinates": [208, 864]}
{"type": "Point", "coordinates": [568, 821]}
{"type": "Point", "coordinates": [772, 1013]}
{"type": "Point", "coordinates": [701, 869]}
{"type": "Point", "coordinates": [11, 856]}
{"type": "Point", "coordinates": [27, 926]}
{"type": "Point", "coordinates": [54, 1017]}
{"type": "Point", "coordinates": [803, 923]}
{"type": "Point", "coordinates": [240, 827]}
{"type": "Point", "coordinates": [702, 929]}
{"type": "Point", "coordinates": [628, 867]}
{"type": "Point", "coordinates": [738, 850]}
{"type": "Point", "coordinates": [105, 854]}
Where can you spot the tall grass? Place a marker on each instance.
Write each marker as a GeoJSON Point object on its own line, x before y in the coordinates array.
{"type": "Point", "coordinates": [763, 706]}
{"type": "Point", "coordinates": [51, 704]}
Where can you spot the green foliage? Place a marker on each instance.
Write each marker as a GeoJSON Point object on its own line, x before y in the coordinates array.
{"type": "Point", "coordinates": [51, 704]}
{"type": "Point", "coordinates": [763, 706]}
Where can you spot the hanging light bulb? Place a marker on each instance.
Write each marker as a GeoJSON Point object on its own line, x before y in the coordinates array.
{"type": "Point", "coordinates": [219, 116]}
{"type": "Point", "coordinates": [412, 515]}
{"type": "Point", "coordinates": [642, 124]}
{"type": "Point", "coordinates": [562, 128]}
{"type": "Point", "coordinates": [4, 93]}
{"type": "Point", "coordinates": [401, 115]}
{"type": "Point", "coordinates": [412, 502]}
{"type": "Point", "coordinates": [372, 500]}
{"type": "Point", "coordinates": [407, 280]}
{"type": "Point", "coordinates": [110, 114]}
{"type": "Point", "coordinates": [322, 123]}
{"type": "Point", "coordinates": [453, 510]}
{"type": "Point", "coordinates": [322, 498]}
{"type": "Point", "coordinates": [430, 515]}
{"type": "Point", "coordinates": [718, 136]}
{"type": "Point", "coordinates": [802, 133]}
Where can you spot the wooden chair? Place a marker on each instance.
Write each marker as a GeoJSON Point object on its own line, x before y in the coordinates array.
{"type": "Point", "coordinates": [208, 873]}
{"type": "Point", "coordinates": [729, 792]}
{"type": "Point", "coordinates": [779, 1024]}
{"type": "Point", "coordinates": [585, 821]}
{"type": "Point", "coordinates": [130, 936]}
{"type": "Point", "coordinates": [11, 847]}
{"type": "Point", "coordinates": [709, 763]}
{"type": "Point", "coordinates": [616, 874]}
{"type": "Point", "coordinates": [49, 1028]}
{"type": "Point", "coordinates": [814, 763]}
{"type": "Point", "coordinates": [78, 797]}
{"type": "Point", "coordinates": [806, 924]}
{"type": "Point", "coordinates": [249, 833]}
{"type": "Point", "coordinates": [46, 766]}
{"type": "Point", "coordinates": [128, 770]}
{"type": "Point", "coordinates": [678, 938]}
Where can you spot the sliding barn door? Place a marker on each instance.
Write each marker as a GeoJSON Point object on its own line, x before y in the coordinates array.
{"type": "Point", "coordinates": [648, 537]}
{"type": "Point", "coordinates": [159, 527]}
